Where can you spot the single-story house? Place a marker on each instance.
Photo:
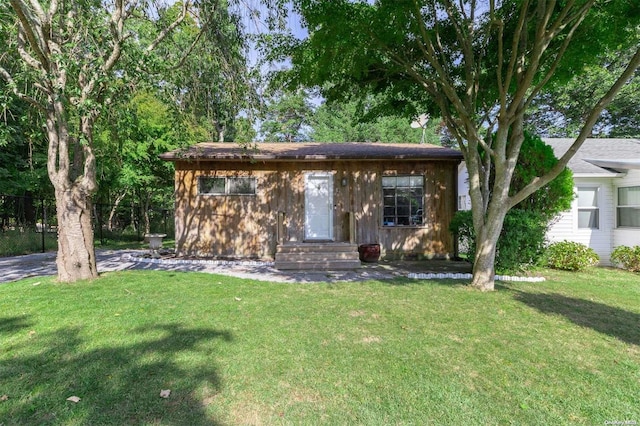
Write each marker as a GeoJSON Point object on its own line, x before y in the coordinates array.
{"type": "Point", "coordinates": [606, 211]}
{"type": "Point", "coordinates": [308, 204]}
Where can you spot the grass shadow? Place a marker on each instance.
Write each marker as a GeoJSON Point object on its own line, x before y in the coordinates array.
{"type": "Point", "coordinates": [119, 384]}
{"type": "Point", "coordinates": [10, 325]}
{"type": "Point", "coordinates": [615, 322]}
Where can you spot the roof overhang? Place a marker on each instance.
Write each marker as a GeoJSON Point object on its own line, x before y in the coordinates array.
{"type": "Point", "coordinates": [611, 175]}
{"type": "Point", "coordinates": [617, 165]}
{"type": "Point", "coordinates": [308, 152]}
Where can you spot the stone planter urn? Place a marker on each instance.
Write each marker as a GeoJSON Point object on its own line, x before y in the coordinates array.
{"type": "Point", "coordinates": [155, 243]}
{"type": "Point", "coordinates": [369, 253]}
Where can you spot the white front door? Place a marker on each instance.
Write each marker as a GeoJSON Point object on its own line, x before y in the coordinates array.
{"type": "Point", "coordinates": [318, 206]}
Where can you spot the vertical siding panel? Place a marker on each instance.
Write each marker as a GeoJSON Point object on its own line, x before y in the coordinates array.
{"type": "Point", "coordinates": [246, 225]}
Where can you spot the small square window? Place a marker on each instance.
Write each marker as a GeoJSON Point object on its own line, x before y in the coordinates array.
{"type": "Point", "coordinates": [242, 185]}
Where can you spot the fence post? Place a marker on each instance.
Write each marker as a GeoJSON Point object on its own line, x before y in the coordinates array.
{"type": "Point", "coordinates": [139, 214]}
{"type": "Point", "coordinates": [164, 219]}
{"type": "Point", "coordinates": [44, 225]}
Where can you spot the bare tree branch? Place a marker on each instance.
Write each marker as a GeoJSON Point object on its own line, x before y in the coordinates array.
{"type": "Point", "coordinates": [513, 59]}
{"type": "Point", "coordinates": [592, 118]}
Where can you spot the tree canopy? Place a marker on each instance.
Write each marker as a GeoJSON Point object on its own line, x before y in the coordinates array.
{"type": "Point", "coordinates": [560, 110]}
{"type": "Point", "coordinates": [287, 117]}
{"type": "Point", "coordinates": [351, 121]}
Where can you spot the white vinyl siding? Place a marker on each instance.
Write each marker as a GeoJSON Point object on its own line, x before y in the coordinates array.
{"type": "Point", "coordinates": [464, 199]}
{"type": "Point", "coordinates": [566, 227]}
{"type": "Point", "coordinates": [568, 224]}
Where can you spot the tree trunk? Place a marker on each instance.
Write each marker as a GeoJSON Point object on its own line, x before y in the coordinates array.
{"type": "Point", "coordinates": [112, 212]}
{"type": "Point", "coordinates": [484, 264]}
{"type": "Point", "coordinates": [76, 258]}
{"type": "Point", "coordinates": [76, 255]}
{"type": "Point", "coordinates": [145, 213]}
{"type": "Point", "coordinates": [484, 269]}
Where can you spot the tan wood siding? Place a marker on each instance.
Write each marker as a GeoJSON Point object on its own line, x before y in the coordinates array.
{"type": "Point", "coordinates": [247, 225]}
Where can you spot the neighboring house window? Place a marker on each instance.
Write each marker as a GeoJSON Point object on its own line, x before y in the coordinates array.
{"type": "Point", "coordinates": [226, 185]}
{"type": "Point", "coordinates": [629, 207]}
{"type": "Point", "coordinates": [403, 200]}
{"type": "Point", "coordinates": [462, 202]}
{"type": "Point", "coordinates": [588, 210]}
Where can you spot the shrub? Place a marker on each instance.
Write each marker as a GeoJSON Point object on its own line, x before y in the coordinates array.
{"type": "Point", "coordinates": [537, 158]}
{"type": "Point", "coordinates": [462, 227]}
{"type": "Point", "coordinates": [627, 257]}
{"type": "Point", "coordinates": [571, 256]}
{"type": "Point", "coordinates": [521, 242]}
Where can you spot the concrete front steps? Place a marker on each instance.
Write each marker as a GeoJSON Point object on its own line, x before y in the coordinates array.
{"type": "Point", "coordinates": [317, 256]}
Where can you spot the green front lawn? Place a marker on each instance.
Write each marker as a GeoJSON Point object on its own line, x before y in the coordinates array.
{"type": "Point", "coordinates": [236, 351]}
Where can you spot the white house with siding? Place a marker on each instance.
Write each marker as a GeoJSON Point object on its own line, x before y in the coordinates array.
{"type": "Point", "coordinates": [606, 211]}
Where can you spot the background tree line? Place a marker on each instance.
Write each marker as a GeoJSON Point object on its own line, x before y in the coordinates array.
{"type": "Point", "coordinates": [204, 101]}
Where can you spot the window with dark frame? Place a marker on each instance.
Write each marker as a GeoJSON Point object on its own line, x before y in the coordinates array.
{"type": "Point", "coordinates": [628, 209]}
{"type": "Point", "coordinates": [226, 185]}
{"type": "Point", "coordinates": [403, 200]}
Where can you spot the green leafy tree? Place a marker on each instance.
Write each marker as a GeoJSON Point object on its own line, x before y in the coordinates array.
{"type": "Point", "coordinates": [560, 110]}
{"type": "Point", "coordinates": [215, 83]}
{"type": "Point", "coordinates": [142, 129]}
{"type": "Point", "coordinates": [350, 122]}
{"type": "Point", "coordinates": [287, 117]}
{"type": "Point", "coordinates": [73, 57]}
{"type": "Point", "coordinates": [23, 153]}
{"type": "Point", "coordinates": [243, 131]}
{"type": "Point", "coordinates": [537, 159]}
{"type": "Point", "coordinates": [479, 65]}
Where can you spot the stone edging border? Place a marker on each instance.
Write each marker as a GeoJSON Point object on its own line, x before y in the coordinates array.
{"type": "Point", "coordinates": [419, 276]}
{"type": "Point", "coordinates": [198, 261]}
{"type": "Point", "coordinates": [457, 276]}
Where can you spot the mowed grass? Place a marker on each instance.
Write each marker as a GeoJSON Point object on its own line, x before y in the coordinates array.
{"type": "Point", "coordinates": [235, 351]}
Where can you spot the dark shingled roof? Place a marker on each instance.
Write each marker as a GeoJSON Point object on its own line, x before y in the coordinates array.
{"type": "Point", "coordinates": [602, 157]}
{"type": "Point", "coordinates": [263, 151]}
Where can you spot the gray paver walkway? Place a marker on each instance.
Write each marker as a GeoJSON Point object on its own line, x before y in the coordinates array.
{"type": "Point", "coordinates": [43, 264]}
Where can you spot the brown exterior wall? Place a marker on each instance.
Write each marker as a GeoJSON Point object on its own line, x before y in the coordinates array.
{"type": "Point", "coordinates": [246, 226]}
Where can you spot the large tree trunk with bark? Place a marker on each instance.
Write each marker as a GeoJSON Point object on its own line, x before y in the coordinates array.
{"type": "Point", "coordinates": [484, 269]}
{"type": "Point", "coordinates": [74, 180]}
{"type": "Point", "coordinates": [76, 255]}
